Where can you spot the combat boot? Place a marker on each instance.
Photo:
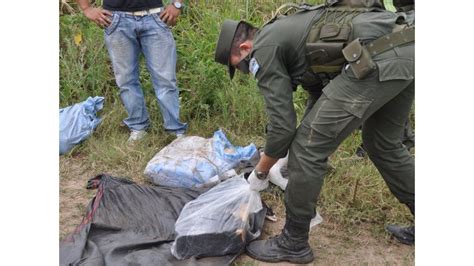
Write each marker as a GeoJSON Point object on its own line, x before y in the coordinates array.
{"type": "Point", "coordinates": [405, 235]}
{"type": "Point", "coordinates": [291, 245]}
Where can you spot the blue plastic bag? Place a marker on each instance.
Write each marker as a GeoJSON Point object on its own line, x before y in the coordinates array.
{"type": "Point", "coordinates": [77, 122]}
{"type": "Point", "coordinates": [195, 161]}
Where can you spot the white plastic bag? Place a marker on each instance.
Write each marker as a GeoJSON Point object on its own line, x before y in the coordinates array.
{"type": "Point", "coordinates": [275, 174]}
{"type": "Point", "coordinates": [277, 178]}
{"type": "Point", "coordinates": [193, 161]}
{"type": "Point", "coordinates": [220, 221]}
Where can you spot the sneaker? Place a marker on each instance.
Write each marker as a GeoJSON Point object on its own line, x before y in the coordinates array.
{"type": "Point", "coordinates": [136, 135]}
{"type": "Point", "coordinates": [179, 135]}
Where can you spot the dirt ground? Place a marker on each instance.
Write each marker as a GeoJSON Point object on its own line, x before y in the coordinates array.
{"type": "Point", "coordinates": [332, 244]}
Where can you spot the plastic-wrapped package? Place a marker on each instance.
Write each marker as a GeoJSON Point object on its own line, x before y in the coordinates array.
{"type": "Point", "coordinates": [77, 122]}
{"type": "Point", "coordinates": [219, 222]}
{"type": "Point", "coordinates": [194, 161]}
{"type": "Point", "coordinates": [275, 174]}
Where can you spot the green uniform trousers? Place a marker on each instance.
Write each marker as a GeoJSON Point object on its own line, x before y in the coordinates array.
{"type": "Point", "coordinates": [382, 107]}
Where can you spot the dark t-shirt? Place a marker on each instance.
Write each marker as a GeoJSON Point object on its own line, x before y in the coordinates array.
{"type": "Point", "coordinates": [131, 5]}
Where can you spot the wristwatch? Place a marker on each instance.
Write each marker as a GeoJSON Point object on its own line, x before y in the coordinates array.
{"type": "Point", "coordinates": [261, 175]}
{"type": "Point", "coordinates": [177, 4]}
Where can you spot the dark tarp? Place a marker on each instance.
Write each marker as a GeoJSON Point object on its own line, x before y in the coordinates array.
{"type": "Point", "coordinates": [130, 224]}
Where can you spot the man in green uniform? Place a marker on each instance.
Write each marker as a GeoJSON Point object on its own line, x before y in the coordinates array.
{"type": "Point", "coordinates": [405, 8]}
{"type": "Point", "coordinates": [373, 85]}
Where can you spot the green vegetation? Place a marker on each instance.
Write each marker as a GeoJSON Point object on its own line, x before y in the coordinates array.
{"type": "Point", "coordinates": [353, 192]}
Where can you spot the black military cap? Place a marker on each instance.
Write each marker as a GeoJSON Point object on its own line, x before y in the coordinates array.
{"type": "Point", "coordinates": [224, 44]}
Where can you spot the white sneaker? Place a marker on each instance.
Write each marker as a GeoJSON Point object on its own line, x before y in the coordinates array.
{"type": "Point", "coordinates": [179, 135]}
{"type": "Point", "coordinates": [136, 135]}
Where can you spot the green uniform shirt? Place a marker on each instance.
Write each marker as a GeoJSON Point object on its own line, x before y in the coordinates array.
{"type": "Point", "coordinates": [279, 51]}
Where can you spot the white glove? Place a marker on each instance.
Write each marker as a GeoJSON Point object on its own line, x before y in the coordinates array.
{"type": "Point", "coordinates": [257, 184]}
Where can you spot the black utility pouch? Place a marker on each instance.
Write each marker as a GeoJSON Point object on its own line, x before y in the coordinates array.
{"type": "Point", "coordinates": [359, 59]}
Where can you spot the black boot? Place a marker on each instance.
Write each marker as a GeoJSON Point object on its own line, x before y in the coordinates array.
{"type": "Point", "coordinates": [291, 245]}
{"type": "Point", "coordinates": [405, 235]}
{"type": "Point", "coordinates": [411, 206]}
{"type": "Point", "coordinates": [360, 151]}
{"type": "Point", "coordinates": [409, 144]}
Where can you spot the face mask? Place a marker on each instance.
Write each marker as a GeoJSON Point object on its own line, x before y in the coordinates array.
{"type": "Point", "coordinates": [244, 65]}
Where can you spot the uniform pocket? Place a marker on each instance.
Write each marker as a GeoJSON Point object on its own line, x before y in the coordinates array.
{"type": "Point", "coordinates": [113, 25]}
{"type": "Point", "coordinates": [396, 68]}
{"type": "Point", "coordinates": [348, 99]}
{"type": "Point", "coordinates": [331, 119]}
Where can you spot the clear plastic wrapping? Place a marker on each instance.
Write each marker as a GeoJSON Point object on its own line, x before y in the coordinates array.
{"type": "Point", "coordinates": [219, 222]}
{"type": "Point", "coordinates": [194, 161]}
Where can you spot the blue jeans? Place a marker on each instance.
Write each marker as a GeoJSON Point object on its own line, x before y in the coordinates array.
{"type": "Point", "coordinates": [128, 36]}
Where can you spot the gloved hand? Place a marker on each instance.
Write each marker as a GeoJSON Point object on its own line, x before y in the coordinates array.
{"type": "Point", "coordinates": [257, 184]}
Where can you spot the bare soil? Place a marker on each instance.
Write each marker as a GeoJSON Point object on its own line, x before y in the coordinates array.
{"type": "Point", "coordinates": [332, 243]}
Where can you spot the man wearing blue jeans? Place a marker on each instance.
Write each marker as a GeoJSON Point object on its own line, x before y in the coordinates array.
{"type": "Point", "coordinates": [132, 27]}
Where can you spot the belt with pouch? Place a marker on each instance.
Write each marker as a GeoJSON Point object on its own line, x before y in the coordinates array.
{"type": "Point", "coordinates": [145, 12]}
{"type": "Point", "coordinates": [360, 56]}
{"type": "Point", "coordinates": [389, 41]}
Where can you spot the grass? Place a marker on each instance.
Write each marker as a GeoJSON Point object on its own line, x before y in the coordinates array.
{"type": "Point", "coordinates": [353, 193]}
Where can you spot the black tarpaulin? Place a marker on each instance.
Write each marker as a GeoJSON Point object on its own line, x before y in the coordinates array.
{"type": "Point", "coordinates": [130, 224]}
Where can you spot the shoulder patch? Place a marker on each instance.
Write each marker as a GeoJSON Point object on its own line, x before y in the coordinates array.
{"type": "Point", "coordinates": [253, 66]}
